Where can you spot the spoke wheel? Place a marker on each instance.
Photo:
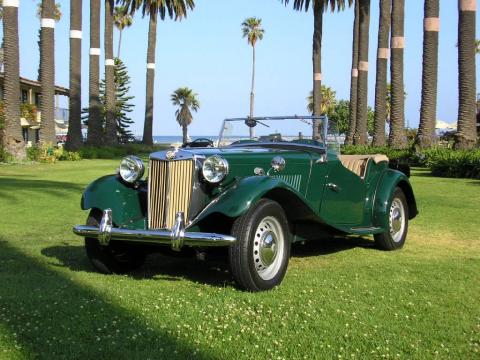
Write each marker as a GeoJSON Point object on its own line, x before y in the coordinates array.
{"type": "Point", "coordinates": [259, 257]}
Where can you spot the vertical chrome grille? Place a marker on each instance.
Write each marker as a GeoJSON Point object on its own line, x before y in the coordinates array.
{"type": "Point", "coordinates": [170, 186]}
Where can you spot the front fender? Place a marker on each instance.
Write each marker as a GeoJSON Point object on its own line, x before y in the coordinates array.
{"type": "Point", "coordinates": [236, 201]}
{"type": "Point", "coordinates": [390, 180]}
{"type": "Point", "coordinates": [129, 205]}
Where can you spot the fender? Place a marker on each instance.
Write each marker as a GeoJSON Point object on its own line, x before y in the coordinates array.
{"type": "Point", "coordinates": [129, 205]}
{"type": "Point", "coordinates": [383, 195]}
{"type": "Point", "coordinates": [238, 199]}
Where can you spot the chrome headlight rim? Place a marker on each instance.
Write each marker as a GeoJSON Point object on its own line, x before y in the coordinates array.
{"type": "Point", "coordinates": [219, 175]}
{"type": "Point", "coordinates": [131, 169]}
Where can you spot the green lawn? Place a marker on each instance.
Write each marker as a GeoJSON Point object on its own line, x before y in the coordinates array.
{"type": "Point", "coordinates": [340, 299]}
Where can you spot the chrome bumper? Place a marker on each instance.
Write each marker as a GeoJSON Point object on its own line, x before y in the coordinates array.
{"type": "Point", "coordinates": [177, 237]}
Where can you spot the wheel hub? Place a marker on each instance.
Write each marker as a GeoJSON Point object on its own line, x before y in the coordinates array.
{"type": "Point", "coordinates": [268, 248]}
{"type": "Point", "coordinates": [397, 220]}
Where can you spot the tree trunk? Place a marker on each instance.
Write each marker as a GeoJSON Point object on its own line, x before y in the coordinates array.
{"type": "Point", "coordinates": [12, 134]}
{"type": "Point", "coordinates": [74, 137]}
{"type": "Point", "coordinates": [47, 74]}
{"type": "Point", "coordinates": [185, 133]}
{"type": "Point", "coordinates": [252, 92]}
{"type": "Point", "coordinates": [397, 137]}
{"type": "Point", "coordinates": [428, 110]}
{"type": "Point", "coordinates": [354, 78]}
{"type": "Point", "coordinates": [318, 9]}
{"type": "Point", "coordinates": [466, 135]}
{"type": "Point", "coordinates": [360, 137]}
{"type": "Point", "coordinates": [152, 43]}
{"type": "Point", "coordinates": [94, 107]}
{"type": "Point", "coordinates": [110, 116]}
{"type": "Point", "coordinates": [381, 81]}
{"type": "Point", "coordinates": [119, 43]}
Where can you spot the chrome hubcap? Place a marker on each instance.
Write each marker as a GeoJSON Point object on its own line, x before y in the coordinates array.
{"type": "Point", "coordinates": [268, 248]}
{"type": "Point", "coordinates": [397, 220]}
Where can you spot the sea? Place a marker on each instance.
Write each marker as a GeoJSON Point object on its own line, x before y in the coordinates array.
{"type": "Point", "coordinates": [179, 139]}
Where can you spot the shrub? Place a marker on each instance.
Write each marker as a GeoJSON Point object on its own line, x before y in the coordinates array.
{"type": "Point", "coordinates": [399, 155]}
{"type": "Point", "coordinates": [5, 156]}
{"type": "Point", "coordinates": [453, 163]}
{"type": "Point", "coordinates": [47, 153]}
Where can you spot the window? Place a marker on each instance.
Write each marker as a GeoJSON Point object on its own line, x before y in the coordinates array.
{"type": "Point", "coordinates": [25, 134]}
{"type": "Point", "coordinates": [24, 96]}
{"type": "Point", "coordinates": [37, 135]}
{"type": "Point", "coordinates": [37, 99]}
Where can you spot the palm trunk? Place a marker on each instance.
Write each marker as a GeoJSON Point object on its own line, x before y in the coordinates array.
{"type": "Point", "coordinates": [74, 137]}
{"type": "Point", "coordinates": [252, 92]}
{"type": "Point", "coordinates": [110, 117]}
{"type": "Point", "coordinates": [94, 108]}
{"type": "Point", "coordinates": [152, 44]}
{"type": "Point", "coordinates": [360, 137]}
{"type": "Point", "coordinates": [354, 78]}
{"type": "Point", "coordinates": [466, 135]}
{"type": "Point", "coordinates": [12, 133]}
{"type": "Point", "coordinates": [397, 113]}
{"type": "Point", "coordinates": [119, 43]}
{"type": "Point", "coordinates": [428, 111]}
{"type": "Point", "coordinates": [381, 81]}
{"type": "Point", "coordinates": [318, 9]}
{"type": "Point", "coordinates": [185, 133]}
{"type": "Point", "coordinates": [47, 74]}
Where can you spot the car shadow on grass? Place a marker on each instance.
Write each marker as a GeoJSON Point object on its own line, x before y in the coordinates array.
{"type": "Point", "coordinates": [45, 314]}
{"type": "Point", "coordinates": [214, 270]}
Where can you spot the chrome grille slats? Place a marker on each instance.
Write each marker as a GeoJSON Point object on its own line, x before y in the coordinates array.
{"type": "Point", "coordinates": [169, 191]}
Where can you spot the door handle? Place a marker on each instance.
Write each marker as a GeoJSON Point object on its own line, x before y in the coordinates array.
{"type": "Point", "coordinates": [334, 187]}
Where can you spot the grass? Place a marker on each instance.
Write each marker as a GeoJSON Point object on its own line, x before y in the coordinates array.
{"type": "Point", "coordinates": [340, 299]}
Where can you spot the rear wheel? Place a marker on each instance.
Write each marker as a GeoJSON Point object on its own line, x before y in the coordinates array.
{"type": "Point", "coordinates": [394, 236]}
{"type": "Point", "coordinates": [117, 257]}
{"type": "Point", "coordinates": [259, 257]}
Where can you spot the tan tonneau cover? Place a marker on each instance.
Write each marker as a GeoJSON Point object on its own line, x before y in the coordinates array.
{"type": "Point", "coordinates": [358, 163]}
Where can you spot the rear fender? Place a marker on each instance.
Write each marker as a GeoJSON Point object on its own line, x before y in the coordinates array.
{"type": "Point", "coordinates": [383, 195]}
{"type": "Point", "coordinates": [128, 204]}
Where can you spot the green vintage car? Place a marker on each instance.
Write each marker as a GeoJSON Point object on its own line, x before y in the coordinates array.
{"type": "Point", "coordinates": [268, 182]}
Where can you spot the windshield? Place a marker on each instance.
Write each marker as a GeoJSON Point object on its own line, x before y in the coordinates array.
{"type": "Point", "coordinates": [297, 130]}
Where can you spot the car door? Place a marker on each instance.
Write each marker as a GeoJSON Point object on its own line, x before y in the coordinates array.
{"type": "Point", "coordinates": [343, 197]}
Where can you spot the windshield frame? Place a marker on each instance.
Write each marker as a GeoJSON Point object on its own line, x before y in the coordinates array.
{"type": "Point", "coordinates": [323, 118]}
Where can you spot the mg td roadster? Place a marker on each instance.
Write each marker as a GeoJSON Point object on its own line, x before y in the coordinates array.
{"type": "Point", "coordinates": [268, 183]}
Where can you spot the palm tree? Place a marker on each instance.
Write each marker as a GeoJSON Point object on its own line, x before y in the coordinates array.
{"type": "Point", "coordinates": [74, 138]}
{"type": "Point", "coordinates": [174, 9]}
{"type": "Point", "coordinates": [329, 100]}
{"type": "Point", "coordinates": [354, 78]}
{"type": "Point", "coordinates": [12, 132]}
{"type": "Point", "coordinates": [360, 137]}
{"type": "Point", "coordinates": [187, 100]}
{"type": "Point", "coordinates": [319, 7]}
{"type": "Point", "coordinates": [47, 71]}
{"type": "Point", "coordinates": [381, 81]}
{"type": "Point", "coordinates": [428, 111]}
{"type": "Point", "coordinates": [466, 132]}
{"type": "Point", "coordinates": [397, 118]}
{"type": "Point", "coordinates": [94, 107]}
{"type": "Point", "coordinates": [253, 31]}
{"type": "Point", "coordinates": [122, 19]}
{"type": "Point", "coordinates": [57, 17]}
{"type": "Point", "coordinates": [110, 120]}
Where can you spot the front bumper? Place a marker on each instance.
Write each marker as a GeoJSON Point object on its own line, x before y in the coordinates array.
{"type": "Point", "coordinates": [177, 237]}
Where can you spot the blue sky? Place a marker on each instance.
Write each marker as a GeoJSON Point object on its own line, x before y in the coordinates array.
{"type": "Point", "coordinates": [207, 53]}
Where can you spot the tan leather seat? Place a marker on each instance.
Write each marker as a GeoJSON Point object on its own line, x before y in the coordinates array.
{"type": "Point", "coordinates": [358, 163]}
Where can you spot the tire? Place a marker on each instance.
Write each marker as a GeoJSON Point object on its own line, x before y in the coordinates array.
{"type": "Point", "coordinates": [394, 237]}
{"type": "Point", "coordinates": [256, 265]}
{"type": "Point", "coordinates": [117, 257]}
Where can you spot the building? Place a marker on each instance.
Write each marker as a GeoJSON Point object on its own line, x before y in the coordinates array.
{"type": "Point", "coordinates": [31, 118]}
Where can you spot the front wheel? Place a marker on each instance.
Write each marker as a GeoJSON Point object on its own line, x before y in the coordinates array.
{"type": "Point", "coordinates": [396, 233]}
{"type": "Point", "coordinates": [115, 258]}
{"type": "Point", "coordinates": [259, 257]}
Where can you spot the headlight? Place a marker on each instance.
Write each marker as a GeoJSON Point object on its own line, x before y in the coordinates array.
{"type": "Point", "coordinates": [131, 169]}
{"type": "Point", "coordinates": [215, 168]}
